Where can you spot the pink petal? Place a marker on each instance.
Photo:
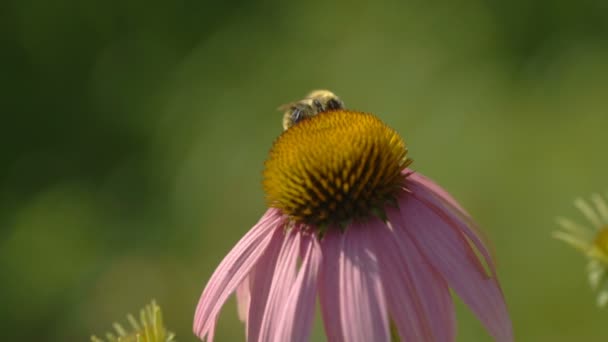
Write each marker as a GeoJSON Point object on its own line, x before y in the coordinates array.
{"type": "Point", "coordinates": [435, 188]}
{"type": "Point", "coordinates": [362, 302]}
{"type": "Point", "coordinates": [282, 280]}
{"type": "Point", "coordinates": [232, 270]}
{"type": "Point", "coordinates": [329, 291]}
{"type": "Point", "coordinates": [450, 254]}
{"type": "Point", "coordinates": [418, 299]}
{"type": "Point", "coordinates": [211, 333]}
{"type": "Point", "coordinates": [243, 298]}
{"type": "Point", "coordinates": [260, 280]}
{"type": "Point", "coordinates": [297, 317]}
{"type": "Point", "coordinates": [445, 205]}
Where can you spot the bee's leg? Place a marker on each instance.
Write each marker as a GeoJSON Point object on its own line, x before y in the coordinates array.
{"type": "Point", "coordinates": [296, 115]}
{"type": "Point", "coordinates": [299, 112]}
{"type": "Point", "coordinates": [334, 104]}
{"type": "Point", "coordinates": [318, 105]}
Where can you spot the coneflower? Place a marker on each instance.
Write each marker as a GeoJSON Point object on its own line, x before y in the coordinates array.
{"type": "Point", "coordinates": [591, 241]}
{"type": "Point", "coordinates": [349, 223]}
{"type": "Point", "coordinates": [150, 328]}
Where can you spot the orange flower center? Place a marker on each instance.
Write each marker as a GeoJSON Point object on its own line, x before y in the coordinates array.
{"type": "Point", "coordinates": [336, 166]}
{"type": "Point", "coordinates": [601, 241]}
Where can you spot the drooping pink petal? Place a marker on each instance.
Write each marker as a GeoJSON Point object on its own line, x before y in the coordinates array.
{"type": "Point", "coordinates": [329, 291]}
{"type": "Point", "coordinates": [211, 333]}
{"type": "Point", "coordinates": [445, 205]}
{"type": "Point", "coordinates": [435, 188]}
{"type": "Point", "coordinates": [232, 270]}
{"type": "Point", "coordinates": [450, 254]}
{"type": "Point", "coordinates": [299, 308]}
{"type": "Point", "coordinates": [283, 278]}
{"type": "Point", "coordinates": [418, 299]}
{"type": "Point", "coordinates": [401, 296]}
{"type": "Point", "coordinates": [260, 280]}
{"type": "Point", "coordinates": [243, 298]}
{"type": "Point", "coordinates": [433, 290]}
{"type": "Point", "coordinates": [363, 305]}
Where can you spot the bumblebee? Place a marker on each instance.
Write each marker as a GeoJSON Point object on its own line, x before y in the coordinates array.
{"type": "Point", "coordinates": [316, 102]}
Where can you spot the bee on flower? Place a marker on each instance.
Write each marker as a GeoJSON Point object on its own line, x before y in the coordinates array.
{"type": "Point", "coordinates": [591, 240]}
{"type": "Point", "coordinates": [349, 224]}
{"type": "Point", "coordinates": [317, 101]}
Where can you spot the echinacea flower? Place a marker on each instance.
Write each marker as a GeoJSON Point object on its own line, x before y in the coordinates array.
{"type": "Point", "coordinates": [150, 328]}
{"type": "Point", "coordinates": [592, 242]}
{"type": "Point", "coordinates": [378, 244]}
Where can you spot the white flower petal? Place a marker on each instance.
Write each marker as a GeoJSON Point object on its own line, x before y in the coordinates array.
{"type": "Point", "coordinates": [601, 207]}
{"type": "Point", "coordinates": [573, 241]}
{"type": "Point", "coordinates": [589, 213]}
{"type": "Point", "coordinates": [575, 228]}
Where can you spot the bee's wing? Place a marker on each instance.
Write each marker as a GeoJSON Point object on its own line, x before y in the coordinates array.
{"type": "Point", "coordinates": [287, 106]}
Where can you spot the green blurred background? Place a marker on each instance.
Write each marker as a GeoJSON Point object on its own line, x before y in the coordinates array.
{"type": "Point", "coordinates": [133, 137]}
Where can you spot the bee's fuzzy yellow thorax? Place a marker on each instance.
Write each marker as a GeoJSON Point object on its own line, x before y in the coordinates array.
{"type": "Point", "coordinates": [335, 166]}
